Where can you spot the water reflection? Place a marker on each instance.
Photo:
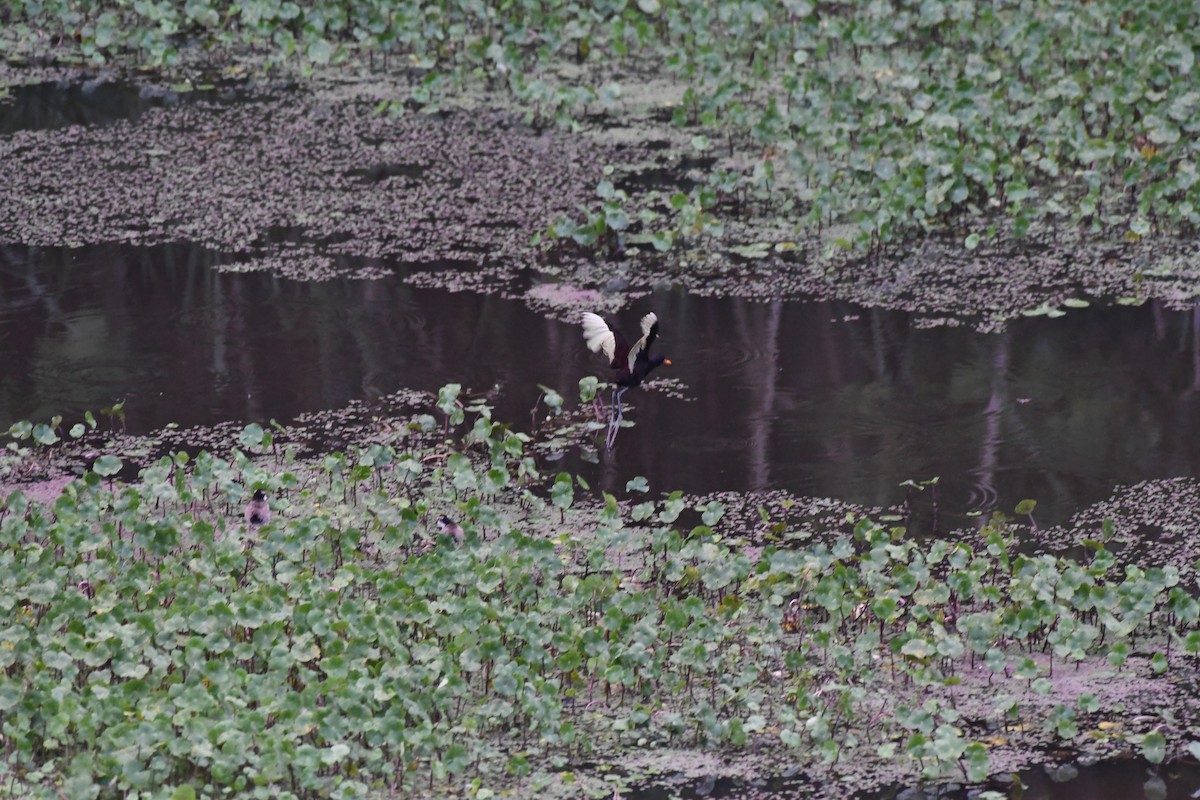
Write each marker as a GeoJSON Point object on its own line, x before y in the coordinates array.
{"type": "Point", "coordinates": [829, 399]}
{"type": "Point", "coordinates": [824, 399]}
{"type": "Point", "coordinates": [185, 343]}
{"type": "Point", "coordinates": [46, 106]}
{"type": "Point", "coordinates": [1134, 779]}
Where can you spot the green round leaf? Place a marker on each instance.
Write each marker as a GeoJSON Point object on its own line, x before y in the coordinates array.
{"type": "Point", "coordinates": [637, 484]}
{"type": "Point", "coordinates": [251, 435]}
{"type": "Point", "coordinates": [44, 434]}
{"type": "Point", "coordinates": [107, 466]}
{"type": "Point", "coordinates": [1154, 747]}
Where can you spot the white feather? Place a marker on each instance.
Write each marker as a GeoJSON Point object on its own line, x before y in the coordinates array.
{"type": "Point", "coordinates": [598, 335]}
{"type": "Point", "coordinates": [648, 322]}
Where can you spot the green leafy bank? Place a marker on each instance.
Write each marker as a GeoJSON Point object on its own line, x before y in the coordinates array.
{"type": "Point", "coordinates": [157, 647]}
{"type": "Point", "coordinates": [884, 120]}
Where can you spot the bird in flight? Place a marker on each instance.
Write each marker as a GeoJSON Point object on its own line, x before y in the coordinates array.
{"type": "Point", "coordinates": [631, 363]}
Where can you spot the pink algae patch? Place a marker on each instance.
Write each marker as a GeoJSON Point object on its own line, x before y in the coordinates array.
{"type": "Point", "coordinates": [44, 491]}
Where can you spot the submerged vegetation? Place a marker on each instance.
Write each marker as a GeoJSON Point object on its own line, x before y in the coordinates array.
{"type": "Point", "coordinates": [884, 119]}
{"type": "Point", "coordinates": [158, 646]}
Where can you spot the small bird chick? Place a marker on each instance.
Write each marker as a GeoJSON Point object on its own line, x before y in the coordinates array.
{"type": "Point", "coordinates": [450, 528]}
{"type": "Point", "coordinates": [257, 511]}
{"type": "Point", "coordinates": [793, 617]}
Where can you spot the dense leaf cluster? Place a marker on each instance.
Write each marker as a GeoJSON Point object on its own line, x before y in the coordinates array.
{"type": "Point", "coordinates": [893, 116]}
{"type": "Point", "coordinates": [156, 645]}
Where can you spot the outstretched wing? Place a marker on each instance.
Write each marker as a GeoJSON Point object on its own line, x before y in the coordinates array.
{"type": "Point", "coordinates": [641, 348]}
{"type": "Point", "coordinates": [599, 337]}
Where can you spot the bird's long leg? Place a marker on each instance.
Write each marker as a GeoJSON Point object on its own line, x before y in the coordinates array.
{"type": "Point", "coordinates": [612, 408]}
{"type": "Point", "coordinates": [615, 425]}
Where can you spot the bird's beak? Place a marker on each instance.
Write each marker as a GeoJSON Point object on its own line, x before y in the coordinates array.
{"type": "Point", "coordinates": [667, 361]}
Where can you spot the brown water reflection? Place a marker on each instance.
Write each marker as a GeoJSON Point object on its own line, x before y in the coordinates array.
{"type": "Point", "coordinates": [46, 106]}
{"type": "Point", "coordinates": [823, 399]}
{"type": "Point", "coordinates": [1132, 779]}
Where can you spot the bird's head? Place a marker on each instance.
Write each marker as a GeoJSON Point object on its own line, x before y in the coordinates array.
{"type": "Point", "coordinates": [259, 494]}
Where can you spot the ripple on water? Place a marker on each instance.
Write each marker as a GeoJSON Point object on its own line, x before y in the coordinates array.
{"type": "Point", "coordinates": [980, 495]}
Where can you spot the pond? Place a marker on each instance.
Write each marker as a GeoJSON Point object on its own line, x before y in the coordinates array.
{"type": "Point", "coordinates": [60, 104]}
{"type": "Point", "coordinates": [1110, 780]}
{"type": "Point", "coordinates": [819, 398]}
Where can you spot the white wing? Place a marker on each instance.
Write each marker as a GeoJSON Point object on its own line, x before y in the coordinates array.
{"type": "Point", "coordinates": [599, 337]}
{"type": "Point", "coordinates": [648, 322]}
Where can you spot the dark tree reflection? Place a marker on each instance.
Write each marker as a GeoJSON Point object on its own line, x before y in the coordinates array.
{"type": "Point", "coordinates": [823, 398]}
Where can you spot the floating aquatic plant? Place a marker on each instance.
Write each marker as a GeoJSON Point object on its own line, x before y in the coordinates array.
{"type": "Point", "coordinates": [341, 648]}
{"type": "Point", "coordinates": [884, 122]}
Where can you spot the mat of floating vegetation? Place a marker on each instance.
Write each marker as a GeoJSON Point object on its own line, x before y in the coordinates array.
{"type": "Point", "coordinates": [471, 188]}
{"type": "Point", "coordinates": [586, 642]}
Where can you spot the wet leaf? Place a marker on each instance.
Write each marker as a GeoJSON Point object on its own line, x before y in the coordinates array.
{"type": "Point", "coordinates": [44, 434]}
{"type": "Point", "coordinates": [1154, 747]}
{"type": "Point", "coordinates": [712, 512]}
{"type": "Point", "coordinates": [588, 387]}
{"type": "Point", "coordinates": [107, 466]}
{"type": "Point", "coordinates": [251, 436]}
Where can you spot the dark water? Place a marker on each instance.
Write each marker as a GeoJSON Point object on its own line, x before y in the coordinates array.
{"type": "Point", "coordinates": [45, 106]}
{"type": "Point", "coordinates": [1111, 780]}
{"type": "Point", "coordinates": [1115, 780]}
{"type": "Point", "coordinates": [825, 399]}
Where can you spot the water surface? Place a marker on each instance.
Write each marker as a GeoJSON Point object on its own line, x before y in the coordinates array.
{"type": "Point", "coordinates": [1133, 779]}
{"type": "Point", "coordinates": [60, 104]}
{"type": "Point", "coordinates": [821, 398]}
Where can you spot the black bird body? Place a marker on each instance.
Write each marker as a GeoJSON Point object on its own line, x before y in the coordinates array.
{"type": "Point", "coordinates": [631, 363]}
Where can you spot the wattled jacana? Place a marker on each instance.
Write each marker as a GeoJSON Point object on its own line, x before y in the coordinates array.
{"type": "Point", "coordinates": [631, 363]}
